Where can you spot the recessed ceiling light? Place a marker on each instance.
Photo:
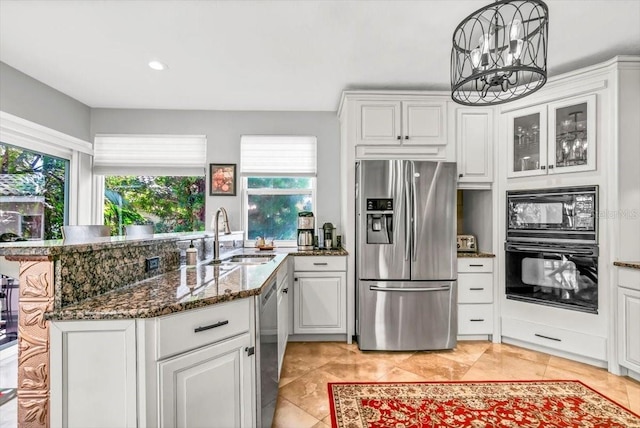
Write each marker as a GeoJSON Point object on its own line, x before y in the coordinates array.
{"type": "Point", "coordinates": [157, 65]}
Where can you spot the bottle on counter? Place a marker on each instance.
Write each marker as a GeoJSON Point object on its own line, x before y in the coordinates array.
{"type": "Point", "coordinates": [192, 255]}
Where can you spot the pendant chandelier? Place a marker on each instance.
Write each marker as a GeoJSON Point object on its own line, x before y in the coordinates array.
{"type": "Point", "coordinates": [499, 53]}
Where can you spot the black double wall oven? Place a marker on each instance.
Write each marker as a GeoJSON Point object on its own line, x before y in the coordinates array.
{"type": "Point", "coordinates": [552, 247]}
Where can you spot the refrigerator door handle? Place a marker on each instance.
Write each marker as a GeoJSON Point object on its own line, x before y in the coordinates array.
{"type": "Point", "coordinates": [411, 290]}
{"type": "Point", "coordinates": [414, 213]}
{"type": "Point", "coordinates": [408, 239]}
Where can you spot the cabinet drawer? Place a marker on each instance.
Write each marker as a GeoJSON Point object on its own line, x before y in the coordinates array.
{"type": "Point", "coordinates": [198, 327]}
{"type": "Point", "coordinates": [629, 278]}
{"type": "Point", "coordinates": [475, 319]}
{"type": "Point", "coordinates": [475, 288]}
{"type": "Point", "coordinates": [320, 263]}
{"type": "Point", "coordinates": [475, 264]}
{"type": "Point", "coordinates": [553, 337]}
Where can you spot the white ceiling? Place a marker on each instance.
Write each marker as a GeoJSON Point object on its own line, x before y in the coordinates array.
{"type": "Point", "coordinates": [271, 55]}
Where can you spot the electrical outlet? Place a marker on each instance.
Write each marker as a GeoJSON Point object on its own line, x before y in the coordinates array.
{"type": "Point", "coordinates": [152, 263]}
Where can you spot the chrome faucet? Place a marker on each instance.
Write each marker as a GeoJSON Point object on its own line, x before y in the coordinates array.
{"type": "Point", "coordinates": [227, 231]}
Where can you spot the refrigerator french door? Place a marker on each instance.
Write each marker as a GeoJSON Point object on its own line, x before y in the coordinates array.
{"type": "Point", "coordinates": [406, 255]}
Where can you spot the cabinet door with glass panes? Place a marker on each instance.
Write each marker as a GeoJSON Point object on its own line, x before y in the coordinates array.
{"type": "Point", "coordinates": [555, 138]}
{"type": "Point", "coordinates": [527, 136]}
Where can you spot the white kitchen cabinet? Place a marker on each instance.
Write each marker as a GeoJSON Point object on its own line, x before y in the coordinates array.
{"type": "Point", "coordinates": [401, 122]}
{"type": "Point", "coordinates": [93, 373]}
{"type": "Point", "coordinates": [553, 138]}
{"type": "Point", "coordinates": [474, 138]}
{"type": "Point", "coordinates": [629, 318]}
{"type": "Point", "coordinates": [210, 386]}
{"type": "Point", "coordinates": [475, 296]}
{"type": "Point", "coordinates": [190, 368]}
{"type": "Point", "coordinates": [320, 295]}
{"type": "Point", "coordinates": [283, 313]}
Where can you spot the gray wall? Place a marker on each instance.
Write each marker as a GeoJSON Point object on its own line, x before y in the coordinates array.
{"type": "Point", "coordinates": [30, 99]}
{"type": "Point", "coordinates": [224, 129]}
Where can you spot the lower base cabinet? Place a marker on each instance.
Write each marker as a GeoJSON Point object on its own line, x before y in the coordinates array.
{"type": "Point", "coordinates": [320, 295]}
{"type": "Point", "coordinates": [189, 369]}
{"type": "Point", "coordinates": [207, 387]}
{"type": "Point", "coordinates": [629, 327]}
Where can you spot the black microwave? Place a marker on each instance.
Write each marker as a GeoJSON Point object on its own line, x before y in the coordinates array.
{"type": "Point", "coordinates": [563, 214]}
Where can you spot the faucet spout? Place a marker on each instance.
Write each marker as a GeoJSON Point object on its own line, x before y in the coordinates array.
{"type": "Point", "coordinates": [227, 231]}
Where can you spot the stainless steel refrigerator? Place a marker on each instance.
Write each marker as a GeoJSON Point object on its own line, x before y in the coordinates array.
{"type": "Point", "coordinates": [406, 255]}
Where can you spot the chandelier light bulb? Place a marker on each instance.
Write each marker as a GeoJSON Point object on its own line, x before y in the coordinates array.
{"type": "Point", "coordinates": [475, 58]}
{"type": "Point", "coordinates": [515, 32]}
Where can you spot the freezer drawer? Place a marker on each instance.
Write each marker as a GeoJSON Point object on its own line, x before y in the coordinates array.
{"type": "Point", "coordinates": [407, 316]}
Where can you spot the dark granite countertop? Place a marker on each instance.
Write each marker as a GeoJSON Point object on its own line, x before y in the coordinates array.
{"type": "Point", "coordinates": [187, 288]}
{"type": "Point", "coordinates": [475, 255]}
{"type": "Point", "coordinates": [55, 247]}
{"type": "Point", "coordinates": [632, 265]}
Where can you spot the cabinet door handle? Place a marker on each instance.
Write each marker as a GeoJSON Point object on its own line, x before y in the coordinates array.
{"type": "Point", "coordinates": [543, 167]}
{"type": "Point", "coordinates": [406, 137]}
{"type": "Point", "coordinates": [547, 337]}
{"type": "Point", "coordinates": [320, 264]}
{"type": "Point", "coordinates": [476, 319]}
{"type": "Point", "coordinates": [209, 327]}
{"type": "Point", "coordinates": [399, 138]}
{"type": "Point", "coordinates": [285, 290]}
{"type": "Point", "coordinates": [476, 288]}
{"type": "Point", "coordinates": [550, 166]}
{"type": "Point", "coordinates": [459, 175]}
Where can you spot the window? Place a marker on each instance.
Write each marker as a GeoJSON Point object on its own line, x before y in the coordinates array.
{"type": "Point", "coordinates": [155, 179]}
{"type": "Point", "coordinates": [33, 193]}
{"type": "Point", "coordinates": [278, 180]}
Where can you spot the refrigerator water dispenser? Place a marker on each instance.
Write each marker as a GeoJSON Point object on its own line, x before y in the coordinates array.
{"type": "Point", "coordinates": [380, 221]}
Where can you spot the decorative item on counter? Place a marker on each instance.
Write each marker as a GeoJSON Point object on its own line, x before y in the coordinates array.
{"type": "Point", "coordinates": [192, 255]}
{"type": "Point", "coordinates": [339, 241]}
{"type": "Point", "coordinates": [264, 244]}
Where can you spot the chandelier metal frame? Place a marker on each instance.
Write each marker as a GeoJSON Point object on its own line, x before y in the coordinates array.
{"type": "Point", "coordinates": [499, 53]}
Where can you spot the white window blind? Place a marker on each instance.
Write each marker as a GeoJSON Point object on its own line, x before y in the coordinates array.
{"type": "Point", "coordinates": [169, 155]}
{"type": "Point", "coordinates": [277, 155]}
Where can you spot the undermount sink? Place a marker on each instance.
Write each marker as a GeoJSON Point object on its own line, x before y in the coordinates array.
{"type": "Point", "coordinates": [248, 259]}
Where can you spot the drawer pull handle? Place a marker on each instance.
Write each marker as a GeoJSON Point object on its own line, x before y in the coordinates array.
{"type": "Point", "coordinates": [476, 288]}
{"type": "Point", "coordinates": [476, 319]}
{"type": "Point", "coordinates": [547, 337]}
{"type": "Point", "coordinates": [477, 265]}
{"type": "Point", "coordinates": [209, 327]}
{"type": "Point", "coordinates": [320, 264]}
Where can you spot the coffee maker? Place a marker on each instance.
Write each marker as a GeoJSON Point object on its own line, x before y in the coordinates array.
{"type": "Point", "coordinates": [306, 228]}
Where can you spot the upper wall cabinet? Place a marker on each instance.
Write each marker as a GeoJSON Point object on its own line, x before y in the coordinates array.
{"type": "Point", "coordinates": [386, 125]}
{"type": "Point", "coordinates": [554, 138]}
{"type": "Point", "coordinates": [401, 122]}
{"type": "Point", "coordinates": [474, 138]}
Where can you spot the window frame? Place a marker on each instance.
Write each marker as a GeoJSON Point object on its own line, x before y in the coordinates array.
{"type": "Point", "coordinates": [246, 191]}
{"type": "Point", "coordinates": [31, 136]}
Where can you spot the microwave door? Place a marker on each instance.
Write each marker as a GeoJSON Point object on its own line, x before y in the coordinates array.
{"type": "Point", "coordinates": [434, 250]}
{"type": "Point", "coordinates": [382, 244]}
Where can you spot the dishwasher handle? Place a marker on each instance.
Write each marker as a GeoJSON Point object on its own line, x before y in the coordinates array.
{"type": "Point", "coordinates": [410, 290]}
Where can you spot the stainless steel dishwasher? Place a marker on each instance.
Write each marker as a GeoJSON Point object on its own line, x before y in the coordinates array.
{"type": "Point", "coordinates": [267, 354]}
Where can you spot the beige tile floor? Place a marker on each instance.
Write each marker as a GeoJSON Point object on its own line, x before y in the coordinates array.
{"type": "Point", "coordinates": [303, 399]}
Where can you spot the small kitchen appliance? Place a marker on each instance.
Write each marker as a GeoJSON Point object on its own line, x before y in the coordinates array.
{"type": "Point", "coordinates": [306, 227]}
{"type": "Point", "coordinates": [467, 244]}
{"type": "Point", "coordinates": [329, 232]}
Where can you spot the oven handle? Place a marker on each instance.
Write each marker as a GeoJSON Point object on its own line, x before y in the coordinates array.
{"type": "Point", "coordinates": [575, 251]}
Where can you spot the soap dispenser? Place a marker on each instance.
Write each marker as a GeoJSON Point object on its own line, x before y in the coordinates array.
{"type": "Point", "coordinates": [192, 255]}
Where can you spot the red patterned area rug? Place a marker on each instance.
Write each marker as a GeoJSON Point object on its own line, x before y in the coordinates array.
{"type": "Point", "coordinates": [475, 404]}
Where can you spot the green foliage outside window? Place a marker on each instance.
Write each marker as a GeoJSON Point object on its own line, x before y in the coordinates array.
{"type": "Point", "coordinates": [47, 177]}
{"type": "Point", "coordinates": [172, 204]}
{"type": "Point", "coordinates": [274, 215]}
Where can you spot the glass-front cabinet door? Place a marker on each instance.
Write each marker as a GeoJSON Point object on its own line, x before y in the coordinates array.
{"type": "Point", "coordinates": [527, 149]}
{"type": "Point", "coordinates": [572, 132]}
{"type": "Point", "coordinates": [553, 138]}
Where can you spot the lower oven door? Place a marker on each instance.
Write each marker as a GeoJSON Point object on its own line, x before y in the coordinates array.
{"type": "Point", "coordinates": [564, 276]}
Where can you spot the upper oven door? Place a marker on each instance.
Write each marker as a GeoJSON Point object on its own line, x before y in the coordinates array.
{"type": "Point", "coordinates": [559, 215]}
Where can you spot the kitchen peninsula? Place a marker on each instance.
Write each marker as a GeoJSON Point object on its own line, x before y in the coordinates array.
{"type": "Point", "coordinates": [106, 281]}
